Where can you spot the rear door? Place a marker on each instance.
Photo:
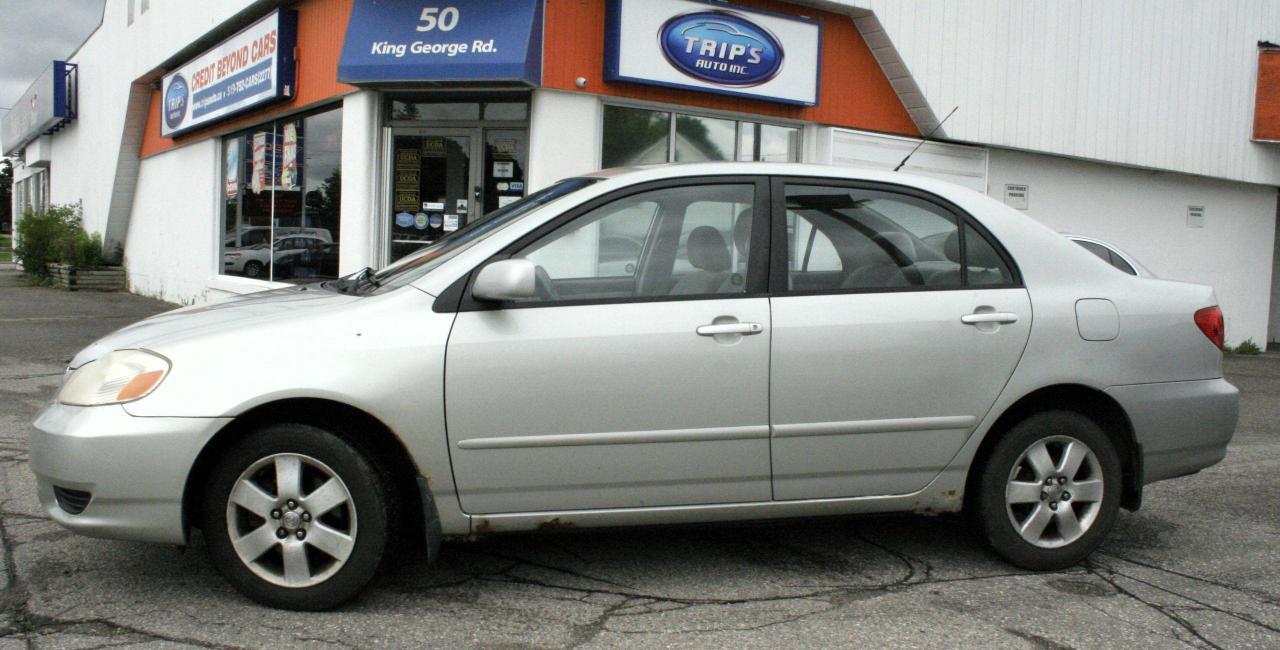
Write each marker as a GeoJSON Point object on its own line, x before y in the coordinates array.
{"type": "Point", "coordinates": [638, 376]}
{"type": "Point", "coordinates": [896, 324]}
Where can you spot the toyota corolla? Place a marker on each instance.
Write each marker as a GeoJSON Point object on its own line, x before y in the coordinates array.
{"type": "Point", "coordinates": [781, 341]}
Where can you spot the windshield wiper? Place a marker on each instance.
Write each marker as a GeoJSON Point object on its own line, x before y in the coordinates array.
{"type": "Point", "coordinates": [351, 283]}
{"type": "Point", "coordinates": [365, 277]}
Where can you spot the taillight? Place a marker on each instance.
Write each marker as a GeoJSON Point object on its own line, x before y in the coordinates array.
{"type": "Point", "coordinates": [1209, 320]}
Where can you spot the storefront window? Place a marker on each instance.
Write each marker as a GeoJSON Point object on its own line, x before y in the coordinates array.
{"type": "Point", "coordinates": [703, 138]}
{"type": "Point", "coordinates": [634, 136]}
{"type": "Point", "coordinates": [637, 136]}
{"type": "Point", "coordinates": [282, 185]}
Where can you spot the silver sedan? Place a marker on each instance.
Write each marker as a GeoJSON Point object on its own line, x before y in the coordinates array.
{"type": "Point", "coordinates": [783, 340]}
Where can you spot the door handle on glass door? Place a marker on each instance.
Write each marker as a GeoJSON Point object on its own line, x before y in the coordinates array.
{"type": "Point", "coordinates": [1001, 317]}
{"type": "Point", "coordinates": [730, 328]}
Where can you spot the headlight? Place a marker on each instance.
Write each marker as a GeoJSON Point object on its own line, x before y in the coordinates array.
{"type": "Point", "coordinates": [121, 376]}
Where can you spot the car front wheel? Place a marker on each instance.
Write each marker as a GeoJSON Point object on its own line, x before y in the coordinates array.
{"type": "Point", "coordinates": [296, 518]}
{"type": "Point", "coordinates": [1049, 491]}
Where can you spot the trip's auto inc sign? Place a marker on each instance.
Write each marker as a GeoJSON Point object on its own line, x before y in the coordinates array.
{"type": "Point", "coordinates": [251, 68]}
{"type": "Point", "coordinates": [713, 47]}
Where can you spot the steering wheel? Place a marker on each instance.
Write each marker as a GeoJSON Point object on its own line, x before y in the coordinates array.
{"type": "Point", "coordinates": [542, 284]}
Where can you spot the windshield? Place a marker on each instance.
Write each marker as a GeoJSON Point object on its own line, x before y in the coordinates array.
{"type": "Point", "coordinates": [418, 264]}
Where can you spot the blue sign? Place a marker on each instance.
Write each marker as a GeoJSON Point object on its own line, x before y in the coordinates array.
{"type": "Point", "coordinates": [251, 68]}
{"type": "Point", "coordinates": [714, 47]}
{"type": "Point", "coordinates": [48, 105]}
{"type": "Point", "coordinates": [721, 48]}
{"type": "Point", "coordinates": [175, 102]}
{"type": "Point", "coordinates": [454, 40]}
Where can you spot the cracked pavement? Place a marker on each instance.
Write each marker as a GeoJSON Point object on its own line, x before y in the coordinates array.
{"type": "Point", "coordinates": [1196, 567]}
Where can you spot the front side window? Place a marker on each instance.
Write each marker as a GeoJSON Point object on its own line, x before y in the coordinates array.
{"type": "Point", "coordinates": [282, 184]}
{"type": "Point", "coordinates": [680, 241]}
{"type": "Point", "coordinates": [855, 239]}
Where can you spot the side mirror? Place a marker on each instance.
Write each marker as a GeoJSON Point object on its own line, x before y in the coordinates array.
{"type": "Point", "coordinates": [506, 280]}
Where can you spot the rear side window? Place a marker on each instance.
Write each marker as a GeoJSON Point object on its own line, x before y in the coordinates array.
{"type": "Point", "coordinates": [841, 238]}
{"type": "Point", "coordinates": [1107, 255]}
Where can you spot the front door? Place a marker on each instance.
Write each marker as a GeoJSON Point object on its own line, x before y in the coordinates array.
{"type": "Point", "coordinates": [433, 185]}
{"type": "Point", "coordinates": [444, 178]}
{"type": "Point", "coordinates": [896, 324]}
{"type": "Point", "coordinates": [639, 374]}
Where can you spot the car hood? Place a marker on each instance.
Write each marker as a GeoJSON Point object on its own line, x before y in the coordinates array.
{"type": "Point", "coordinates": [237, 312]}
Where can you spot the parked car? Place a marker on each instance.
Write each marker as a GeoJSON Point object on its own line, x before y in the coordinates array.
{"type": "Point", "coordinates": [1111, 255]}
{"type": "Point", "coordinates": [252, 261]}
{"type": "Point", "coordinates": [878, 342]}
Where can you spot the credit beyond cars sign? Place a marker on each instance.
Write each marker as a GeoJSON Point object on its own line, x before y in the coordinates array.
{"type": "Point", "coordinates": [252, 68]}
{"type": "Point", "coordinates": [713, 47]}
{"type": "Point", "coordinates": [453, 40]}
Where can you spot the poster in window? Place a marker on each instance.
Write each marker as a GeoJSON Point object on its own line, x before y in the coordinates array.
{"type": "Point", "coordinates": [503, 169]}
{"type": "Point", "coordinates": [407, 174]}
{"type": "Point", "coordinates": [259, 181]}
{"type": "Point", "coordinates": [233, 168]}
{"type": "Point", "coordinates": [505, 147]}
{"type": "Point", "coordinates": [433, 147]}
{"type": "Point", "coordinates": [289, 161]}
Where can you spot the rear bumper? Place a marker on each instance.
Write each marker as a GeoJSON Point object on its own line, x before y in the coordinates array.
{"type": "Point", "coordinates": [1183, 426]}
{"type": "Point", "coordinates": [135, 468]}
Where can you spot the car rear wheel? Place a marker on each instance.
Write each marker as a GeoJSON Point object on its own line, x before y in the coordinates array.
{"type": "Point", "coordinates": [295, 517]}
{"type": "Point", "coordinates": [1049, 491]}
{"type": "Point", "coordinates": [253, 269]}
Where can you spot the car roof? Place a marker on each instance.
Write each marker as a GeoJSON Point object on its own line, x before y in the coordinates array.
{"type": "Point", "coordinates": [676, 170]}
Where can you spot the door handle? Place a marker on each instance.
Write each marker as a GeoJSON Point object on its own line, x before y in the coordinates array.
{"type": "Point", "coordinates": [746, 329]}
{"type": "Point", "coordinates": [1001, 317]}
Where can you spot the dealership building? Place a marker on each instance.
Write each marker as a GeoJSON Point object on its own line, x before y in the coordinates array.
{"type": "Point", "coordinates": [230, 146]}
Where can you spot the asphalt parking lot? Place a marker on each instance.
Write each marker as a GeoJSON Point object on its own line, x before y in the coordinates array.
{"type": "Point", "coordinates": [1198, 566]}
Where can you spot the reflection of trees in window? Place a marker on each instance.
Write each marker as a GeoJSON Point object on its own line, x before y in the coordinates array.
{"type": "Point", "coordinates": [634, 136]}
{"type": "Point", "coordinates": [694, 132]}
{"type": "Point", "coordinates": [324, 202]}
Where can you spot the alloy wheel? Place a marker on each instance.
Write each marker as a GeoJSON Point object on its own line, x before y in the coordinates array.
{"type": "Point", "coordinates": [1054, 492]}
{"type": "Point", "coordinates": [291, 520]}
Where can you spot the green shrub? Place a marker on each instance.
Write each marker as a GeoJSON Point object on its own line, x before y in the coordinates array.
{"type": "Point", "coordinates": [55, 236]}
{"type": "Point", "coordinates": [1247, 347]}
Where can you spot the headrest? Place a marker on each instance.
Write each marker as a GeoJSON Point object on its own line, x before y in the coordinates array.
{"type": "Point", "coordinates": [951, 247]}
{"type": "Point", "coordinates": [742, 231]}
{"type": "Point", "coordinates": [708, 250]}
{"type": "Point", "coordinates": [980, 253]}
{"type": "Point", "coordinates": [901, 241]}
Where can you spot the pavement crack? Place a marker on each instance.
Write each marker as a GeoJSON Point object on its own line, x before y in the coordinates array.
{"type": "Point", "coordinates": [1108, 575]}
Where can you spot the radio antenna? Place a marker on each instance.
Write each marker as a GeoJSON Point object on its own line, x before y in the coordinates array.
{"type": "Point", "coordinates": [926, 138]}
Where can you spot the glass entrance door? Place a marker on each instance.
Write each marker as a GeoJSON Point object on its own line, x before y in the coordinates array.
{"type": "Point", "coordinates": [443, 179]}
{"type": "Point", "coordinates": [434, 188]}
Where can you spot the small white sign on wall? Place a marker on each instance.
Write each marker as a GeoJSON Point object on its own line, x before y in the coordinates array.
{"type": "Point", "coordinates": [1016, 196]}
{"type": "Point", "coordinates": [1195, 216]}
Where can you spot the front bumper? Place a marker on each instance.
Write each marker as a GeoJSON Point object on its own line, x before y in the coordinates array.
{"type": "Point", "coordinates": [135, 468]}
{"type": "Point", "coordinates": [1183, 426]}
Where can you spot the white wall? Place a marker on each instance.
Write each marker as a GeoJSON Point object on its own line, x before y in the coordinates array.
{"type": "Point", "coordinates": [1273, 333]}
{"type": "Point", "coordinates": [959, 164]}
{"type": "Point", "coordinates": [170, 251]}
{"type": "Point", "coordinates": [564, 136]}
{"type": "Point", "coordinates": [1167, 84]}
{"type": "Point", "coordinates": [361, 226]}
{"type": "Point", "coordinates": [1145, 214]}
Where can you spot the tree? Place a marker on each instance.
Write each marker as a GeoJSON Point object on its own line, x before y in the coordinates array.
{"type": "Point", "coordinates": [6, 194]}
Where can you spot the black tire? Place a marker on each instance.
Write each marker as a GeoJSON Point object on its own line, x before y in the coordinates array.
{"type": "Point", "coordinates": [253, 269]}
{"type": "Point", "coordinates": [994, 517]}
{"type": "Point", "coordinates": [368, 497]}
